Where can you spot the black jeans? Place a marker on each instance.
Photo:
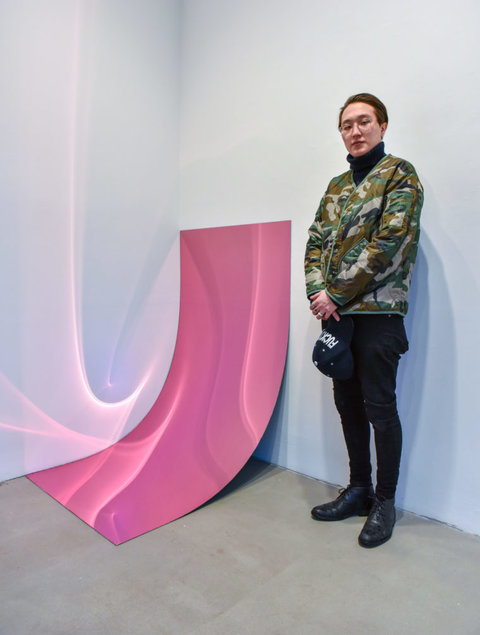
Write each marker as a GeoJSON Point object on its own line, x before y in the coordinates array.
{"type": "Point", "coordinates": [369, 398]}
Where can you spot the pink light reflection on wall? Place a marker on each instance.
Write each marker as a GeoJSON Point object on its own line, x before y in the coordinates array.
{"type": "Point", "coordinates": [89, 224]}
{"type": "Point", "coordinates": [218, 397]}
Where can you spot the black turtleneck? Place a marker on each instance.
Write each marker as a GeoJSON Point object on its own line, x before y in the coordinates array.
{"type": "Point", "coordinates": [362, 165]}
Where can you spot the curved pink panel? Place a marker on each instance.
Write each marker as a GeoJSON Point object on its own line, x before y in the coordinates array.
{"type": "Point", "coordinates": [217, 399]}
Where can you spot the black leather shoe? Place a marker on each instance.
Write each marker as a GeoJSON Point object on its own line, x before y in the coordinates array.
{"type": "Point", "coordinates": [353, 501]}
{"type": "Point", "coordinates": [378, 527]}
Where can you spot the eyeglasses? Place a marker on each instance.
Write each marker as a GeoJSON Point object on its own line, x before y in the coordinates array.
{"type": "Point", "coordinates": [363, 125]}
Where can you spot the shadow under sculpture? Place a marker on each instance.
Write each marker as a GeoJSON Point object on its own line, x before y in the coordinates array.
{"type": "Point", "coordinates": [217, 400]}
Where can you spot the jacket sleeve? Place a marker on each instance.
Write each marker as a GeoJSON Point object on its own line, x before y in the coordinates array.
{"type": "Point", "coordinates": [391, 244]}
{"type": "Point", "coordinates": [313, 255]}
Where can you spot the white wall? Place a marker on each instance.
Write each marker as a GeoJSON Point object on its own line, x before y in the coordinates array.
{"type": "Point", "coordinates": [89, 269]}
{"type": "Point", "coordinates": [262, 81]}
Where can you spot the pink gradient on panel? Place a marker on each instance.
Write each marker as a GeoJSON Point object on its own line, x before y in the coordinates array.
{"type": "Point", "coordinates": [218, 397]}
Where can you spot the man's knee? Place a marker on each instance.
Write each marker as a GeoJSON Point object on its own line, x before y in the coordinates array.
{"type": "Point", "coordinates": [382, 416]}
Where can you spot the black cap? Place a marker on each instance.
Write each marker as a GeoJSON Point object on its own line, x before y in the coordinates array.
{"type": "Point", "coordinates": [332, 354]}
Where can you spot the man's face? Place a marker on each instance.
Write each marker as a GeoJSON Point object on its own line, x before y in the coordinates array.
{"type": "Point", "coordinates": [360, 129]}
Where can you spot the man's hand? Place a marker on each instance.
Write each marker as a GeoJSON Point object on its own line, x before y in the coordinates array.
{"type": "Point", "coordinates": [322, 306]}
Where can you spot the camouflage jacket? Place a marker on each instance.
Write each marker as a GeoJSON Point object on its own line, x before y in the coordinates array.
{"type": "Point", "coordinates": [363, 242]}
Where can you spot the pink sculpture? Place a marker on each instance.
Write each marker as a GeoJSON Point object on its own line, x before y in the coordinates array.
{"type": "Point", "coordinates": [218, 397]}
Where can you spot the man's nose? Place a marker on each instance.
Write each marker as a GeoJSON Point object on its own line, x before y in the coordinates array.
{"type": "Point", "coordinates": [356, 128]}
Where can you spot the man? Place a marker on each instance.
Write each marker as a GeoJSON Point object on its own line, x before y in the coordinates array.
{"type": "Point", "coordinates": [359, 261]}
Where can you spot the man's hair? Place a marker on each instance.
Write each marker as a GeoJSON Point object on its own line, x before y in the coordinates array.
{"type": "Point", "coordinates": [366, 98]}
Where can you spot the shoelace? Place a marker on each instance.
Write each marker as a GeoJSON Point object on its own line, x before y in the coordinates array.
{"type": "Point", "coordinates": [345, 490]}
{"type": "Point", "coordinates": [377, 511]}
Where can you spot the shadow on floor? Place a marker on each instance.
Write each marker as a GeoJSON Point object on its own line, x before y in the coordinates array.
{"type": "Point", "coordinates": [252, 472]}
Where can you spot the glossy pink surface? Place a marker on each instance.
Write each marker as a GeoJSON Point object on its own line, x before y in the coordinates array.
{"type": "Point", "coordinates": [218, 397]}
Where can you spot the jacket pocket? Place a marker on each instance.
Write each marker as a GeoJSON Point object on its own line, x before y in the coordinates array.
{"type": "Point", "coordinates": [352, 254]}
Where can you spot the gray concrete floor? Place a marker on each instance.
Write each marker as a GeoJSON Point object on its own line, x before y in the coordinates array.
{"type": "Point", "coordinates": [250, 561]}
